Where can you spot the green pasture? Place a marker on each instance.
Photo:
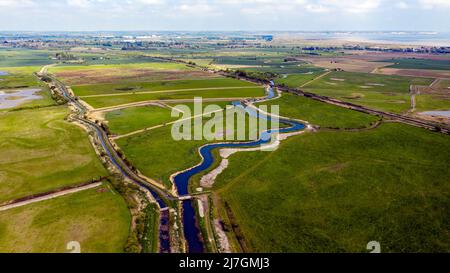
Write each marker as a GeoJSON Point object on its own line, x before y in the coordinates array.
{"type": "Point", "coordinates": [102, 89]}
{"type": "Point", "coordinates": [158, 155]}
{"type": "Point", "coordinates": [337, 191]}
{"type": "Point", "coordinates": [24, 57]}
{"type": "Point", "coordinates": [247, 92]}
{"type": "Point", "coordinates": [318, 113]}
{"type": "Point", "coordinates": [414, 63]}
{"type": "Point", "coordinates": [297, 80]}
{"type": "Point", "coordinates": [388, 93]}
{"type": "Point", "coordinates": [40, 152]}
{"type": "Point", "coordinates": [97, 218]}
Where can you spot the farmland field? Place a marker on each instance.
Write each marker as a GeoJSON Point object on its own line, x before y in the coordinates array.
{"type": "Point", "coordinates": [97, 218]}
{"type": "Point", "coordinates": [332, 182]}
{"type": "Point", "coordinates": [321, 114]}
{"type": "Point", "coordinates": [106, 101]}
{"type": "Point", "coordinates": [334, 192]}
{"type": "Point", "coordinates": [20, 57]}
{"type": "Point", "coordinates": [87, 90]}
{"type": "Point", "coordinates": [389, 93]}
{"type": "Point", "coordinates": [158, 155]}
{"type": "Point", "coordinates": [131, 119]}
{"type": "Point", "coordinates": [127, 120]}
{"type": "Point", "coordinates": [44, 154]}
{"type": "Point", "coordinates": [426, 102]}
{"type": "Point", "coordinates": [96, 74]}
{"type": "Point", "coordinates": [420, 64]}
{"type": "Point", "coordinates": [296, 80]}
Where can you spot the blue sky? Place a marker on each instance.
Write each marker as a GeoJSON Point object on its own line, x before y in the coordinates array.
{"type": "Point", "coordinates": [225, 15]}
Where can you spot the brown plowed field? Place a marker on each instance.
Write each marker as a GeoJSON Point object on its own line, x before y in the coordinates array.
{"type": "Point", "coordinates": [111, 75]}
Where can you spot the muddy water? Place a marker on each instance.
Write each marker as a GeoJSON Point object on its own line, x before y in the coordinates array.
{"type": "Point", "coordinates": [13, 98]}
{"type": "Point", "coordinates": [437, 113]}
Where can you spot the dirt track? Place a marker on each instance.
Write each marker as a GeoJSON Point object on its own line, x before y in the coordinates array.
{"type": "Point", "coordinates": [315, 79]}
{"type": "Point", "coordinates": [152, 102]}
{"type": "Point", "coordinates": [50, 196]}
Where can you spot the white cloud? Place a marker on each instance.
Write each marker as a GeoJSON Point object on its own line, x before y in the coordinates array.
{"type": "Point", "coordinates": [79, 3]}
{"type": "Point", "coordinates": [313, 6]}
{"type": "Point", "coordinates": [351, 6]}
{"type": "Point", "coordinates": [200, 8]}
{"type": "Point", "coordinates": [430, 4]}
{"type": "Point", "coordinates": [16, 3]}
{"type": "Point", "coordinates": [402, 5]}
{"type": "Point", "coordinates": [232, 14]}
{"type": "Point", "coordinates": [151, 2]}
{"type": "Point", "coordinates": [317, 8]}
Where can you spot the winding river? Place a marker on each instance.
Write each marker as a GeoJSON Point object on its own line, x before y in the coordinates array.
{"type": "Point", "coordinates": [191, 230]}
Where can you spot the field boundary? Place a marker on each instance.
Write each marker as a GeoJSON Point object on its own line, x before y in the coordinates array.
{"type": "Point", "coordinates": [165, 91]}
{"type": "Point", "coordinates": [315, 79]}
{"type": "Point", "coordinates": [50, 195]}
{"type": "Point", "coordinates": [152, 102]}
{"type": "Point", "coordinates": [163, 125]}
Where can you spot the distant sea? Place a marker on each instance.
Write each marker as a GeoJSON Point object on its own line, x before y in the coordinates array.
{"type": "Point", "coordinates": [429, 38]}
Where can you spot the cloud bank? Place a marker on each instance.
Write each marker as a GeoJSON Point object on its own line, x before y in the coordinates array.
{"type": "Point", "coordinates": [224, 14]}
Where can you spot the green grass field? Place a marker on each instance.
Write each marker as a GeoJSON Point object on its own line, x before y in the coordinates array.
{"type": "Point", "coordinates": [289, 68]}
{"type": "Point", "coordinates": [131, 119]}
{"type": "Point", "coordinates": [101, 89]}
{"type": "Point", "coordinates": [157, 155]}
{"type": "Point", "coordinates": [297, 80]}
{"type": "Point", "coordinates": [388, 93]}
{"type": "Point", "coordinates": [150, 65]}
{"type": "Point", "coordinates": [319, 113]}
{"type": "Point", "coordinates": [23, 57]}
{"type": "Point", "coordinates": [100, 102]}
{"type": "Point", "coordinates": [20, 78]}
{"type": "Point", "coordinates": [97, 218]}
{"type": "Point", "coordinates": [438, 99]}
{"type": "Point", "coordinates": [135, 118]}
{"type": "Point", "coordinates": [408, 63]}
{"type": "Point", "coordinates": [39, 151]}
{"type": "Point", "coordinates": [426, 102]}
{"type": "Point", "coordinates": [444, 84]}
{"type": "Point", "coordinates": [336, 191]}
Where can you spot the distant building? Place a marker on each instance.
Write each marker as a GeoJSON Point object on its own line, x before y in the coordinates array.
{"type": "Point", "coordinates": [268, 38]}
